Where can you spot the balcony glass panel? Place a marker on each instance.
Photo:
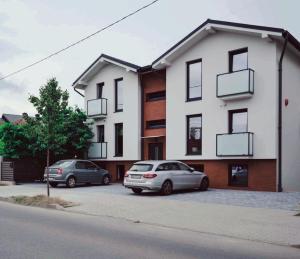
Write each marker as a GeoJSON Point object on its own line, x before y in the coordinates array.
{"type": "Point", "coordinates": [97, 150]}
{"type": "Point", "coordinates": [97, 107]}
{"type": "Point", "coordinates": [237, 144]}
{"type": "Point", "coordinates": [235, 84]}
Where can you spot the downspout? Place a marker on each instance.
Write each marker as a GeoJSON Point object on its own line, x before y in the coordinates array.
{"type": "Point", "coordinates": [78, 92]}
{"type": "Point", "coordinates": [279, 186]}
{"type": "Point", "coordinates": [142, 115]}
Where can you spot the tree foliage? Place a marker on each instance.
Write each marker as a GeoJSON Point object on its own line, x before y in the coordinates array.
{"type": "Point", "coordinates": [56, 126]}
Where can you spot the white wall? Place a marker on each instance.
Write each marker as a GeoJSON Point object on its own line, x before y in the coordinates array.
{"type": "Point", "coordinates": [261, 107]}
{"type": "Point", "coordinates": [130, 117]}
{"type": "Point", "coordinates": [291, 122]}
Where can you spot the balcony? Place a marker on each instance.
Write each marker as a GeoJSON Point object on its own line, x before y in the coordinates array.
{"type": "Point", "coordinates": [235, 144]}
{"type": "Point", "coordinates": [98, 150]}
{"type": "Point", "coordinates": [97, 108]}
{"type": "Point", "coordinates": [235, 85]}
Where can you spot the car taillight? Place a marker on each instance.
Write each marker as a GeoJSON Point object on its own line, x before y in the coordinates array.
{"type": "Point", "coordinates": [149, 175]}
{"type": "Point", "coordinates": [126, 175]}
{"type": "Point", "coordinates": [59, 171]}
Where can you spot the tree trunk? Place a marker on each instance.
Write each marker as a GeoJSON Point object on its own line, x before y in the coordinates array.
{"type": "Point", "coordinates": [48, 158]}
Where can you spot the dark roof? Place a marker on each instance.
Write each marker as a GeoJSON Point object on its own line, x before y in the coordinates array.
{"type": "Point", "coordinates": [284, 33]}
{"type": "Point", "coordinates": [125, 63]}
{"type": "Point", "coordinates": [12, 118]}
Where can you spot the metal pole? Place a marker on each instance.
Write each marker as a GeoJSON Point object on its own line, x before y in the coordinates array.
{"type": "Point", "coordinates": [48, 190]}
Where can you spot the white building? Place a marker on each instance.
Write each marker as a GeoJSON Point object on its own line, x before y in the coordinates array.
{"type": "Point", "coordinates": [212, 101]}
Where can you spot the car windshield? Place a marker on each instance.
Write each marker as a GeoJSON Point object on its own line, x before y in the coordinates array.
{"type": "Point", "coordinates": [62, 163]}
{"type": "Point", "coordinates": [141, 167]}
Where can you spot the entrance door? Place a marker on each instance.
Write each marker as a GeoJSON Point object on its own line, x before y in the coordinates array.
{"type": "Point", "coordinates": [155, 151]}
{"type": "Point", "coordinates": [120, 172]}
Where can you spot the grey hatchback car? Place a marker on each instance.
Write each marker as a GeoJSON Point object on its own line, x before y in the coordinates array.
{"type": "Point", "coordinates": [72, 172]}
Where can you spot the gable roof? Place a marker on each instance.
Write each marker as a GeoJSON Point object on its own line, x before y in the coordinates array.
{"type": "Point", "coordinates": [12, 118]}
{"type": "Point", "coordinates": [210, 26]}
{"type": "Point", "coordinates": [103, 59]}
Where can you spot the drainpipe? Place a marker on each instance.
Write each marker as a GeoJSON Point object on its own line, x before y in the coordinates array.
{"type": "Point", "coordinates": [279, 186]}
{"type": "Point", "coordinates": [78, 92]}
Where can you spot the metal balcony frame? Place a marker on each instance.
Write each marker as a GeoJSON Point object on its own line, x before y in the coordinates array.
{"type": "Point", "coordinates": [235, 94]}
{"type": "Point", "coordinates": [249, 153]}
{"type": "Point", "coordinates": [101, 157]}
{"type": "Point", "coordinates": [96, 115]}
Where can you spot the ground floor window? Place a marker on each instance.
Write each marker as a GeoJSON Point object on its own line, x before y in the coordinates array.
{"type": "Point", "coordinates": [238, 175]}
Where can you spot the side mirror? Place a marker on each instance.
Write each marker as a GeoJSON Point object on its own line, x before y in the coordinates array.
{"type": "Point", "coordinates": [192, 169]}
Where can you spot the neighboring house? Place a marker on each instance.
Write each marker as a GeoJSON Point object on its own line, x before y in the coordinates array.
{"type": "Point", "coordinates": [1, 121]}
{"type": "Point", "coordinates": [212, 101]}
{"type": "Point", "coordinates": [12, 118]}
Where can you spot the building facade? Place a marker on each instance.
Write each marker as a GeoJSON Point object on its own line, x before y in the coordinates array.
{"type": "Point", "coordinates": [212, 101]}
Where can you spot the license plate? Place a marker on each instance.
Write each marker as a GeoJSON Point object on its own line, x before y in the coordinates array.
{"type": "Point", "coordinates": [135, 176]}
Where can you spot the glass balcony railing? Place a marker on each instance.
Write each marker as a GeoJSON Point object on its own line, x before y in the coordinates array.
{"type": "Point", "coordinates": [238, 84]}
{"type": "Point", "coordinates": [97, 108]}
{"type": "Point", "coordinates": [235, 144]}
{"type": "Point", "coordinates": [98, 150]}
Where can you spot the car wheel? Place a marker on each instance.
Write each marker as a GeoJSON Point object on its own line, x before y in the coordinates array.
{"type": "Point", "coordinates": [137, 190]}
{"type": "Point", "coordinates": [204, 184]}
{"type": "Point", "coordinates": [106, 180]}
{"type": "Point", "coordinates": [71, 182]}
{"type": "Point", "coordinates": [52, 184]}
{"type": "Point", "coordinates": [167, 188]}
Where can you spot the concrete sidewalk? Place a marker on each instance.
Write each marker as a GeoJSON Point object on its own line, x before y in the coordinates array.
{"type": "Point", "coordinates": [260, 224]}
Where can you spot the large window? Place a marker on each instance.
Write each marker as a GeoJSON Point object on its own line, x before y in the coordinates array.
{"type": "Point", "coordinates": [119, 92]}
{"type": "Point", "coordinates": [156, 96]}
{"type": "Point", "coordinates": [238, 59]}
{"type": "Point", "coordinates": [119, 139]}
{"type": "Point", "coordinates": [99, 90]}
{"type": "Point", "coordinates": [194, 80]}
{"type": "Point", "coordinates": [238, 121]}
{"type": "Point", "coordinates": [156, 124]}
{"type": "Point", "coordinates": [100, 134]}
{"type": "Point", "coordinates": [238, 175]}
{"type": "Point", "coordinates": [194, 134]}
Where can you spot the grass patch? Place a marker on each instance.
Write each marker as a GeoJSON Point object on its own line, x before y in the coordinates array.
{"type": "Point", "coordinates": [40, 201]}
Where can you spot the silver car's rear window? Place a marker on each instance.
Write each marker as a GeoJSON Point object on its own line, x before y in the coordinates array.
{"type": "Point", "coordinates": [62, 164]}
{"type": "Point", "coordinates": [141, 168]}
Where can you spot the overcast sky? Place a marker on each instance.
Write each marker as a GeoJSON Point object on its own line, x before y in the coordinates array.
{"type": "Point", "coordinates": [32, 29]}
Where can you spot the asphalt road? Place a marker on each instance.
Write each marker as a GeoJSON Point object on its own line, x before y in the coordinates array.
{"type": "Point", "coordinates": [27, 232]}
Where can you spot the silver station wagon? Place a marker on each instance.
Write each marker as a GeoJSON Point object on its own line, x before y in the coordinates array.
{"type": "Point", "coordinates": [164, 176]}
{"type": "Point", "coordinates": [72, 172]}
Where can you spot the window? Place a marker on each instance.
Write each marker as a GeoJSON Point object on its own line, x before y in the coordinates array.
{"type": "Point", "coordinates": [167, 167]}
{"type": "Point", "coordinates": [194, 80]}
{"type": "Point", "coordinates": [194, 134]}
{"type": "Point", "coordinates": [99, 90]}
{"type": "Point", "coordinates": [238, 121]}
{"type": "Point", "coordinates": [183, 167]}
{"type": "Point", "coordinates": [197, 167]}
{"type": "Point", "coordinates": [90, 166]}
{"type": "Point", "coordinates": [141, 168]}
{"type": "Point", "coordinates": [80, 165]}
{"type": "Point", "coordinates": [100, 134]}
{"type": "Point", "coordinates": [238, 59]}
{"type": "Point", "coordinates": [156, 96]}
{"type": "Point", "coordinates": [238, 175]}
{"type": "Point", "coordinates": [119, 139]}
{"type": "Point", "coordinates": [119, 98]}
{"type": "Point", "coordinates": [156, 124]}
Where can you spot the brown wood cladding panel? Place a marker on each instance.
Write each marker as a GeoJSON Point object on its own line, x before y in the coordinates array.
{"type": "Point", "coordinates": [261, 173]}
{"type": "Point", "coordinates": [155, 110]}
{"type": "Point", "coordinates": [111, 166]}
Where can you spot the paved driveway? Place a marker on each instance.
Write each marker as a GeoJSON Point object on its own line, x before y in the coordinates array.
{"type": "Point", "coordinates": [284, 201]}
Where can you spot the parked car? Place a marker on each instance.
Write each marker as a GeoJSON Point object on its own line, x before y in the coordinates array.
{"type": "Point", "coordinates": [72, 172]}
{"type": "Point", "coordinates": [164, 176]}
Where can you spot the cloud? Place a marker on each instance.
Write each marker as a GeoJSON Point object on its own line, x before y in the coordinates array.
{"type": "Point", "coordinates": [11, 87]}
{"type": "Point", "coordinates": [8, 50]}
